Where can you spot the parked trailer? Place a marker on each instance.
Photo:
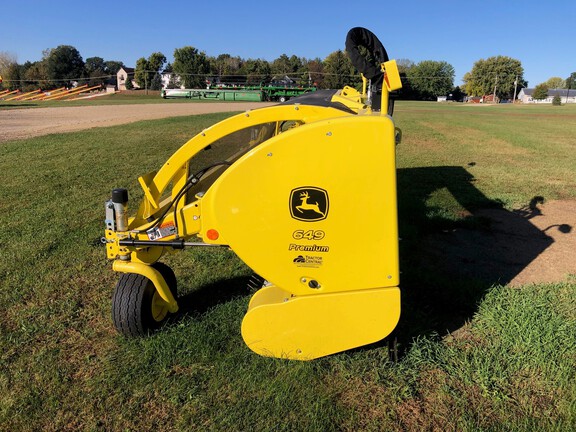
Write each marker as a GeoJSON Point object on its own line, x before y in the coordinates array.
{"type": "Point", "coordinates": [252, 94]}
{"type": "Point", "coordinates": [283, 93]}
{"type": "Point", "coordinates": [214, 94]}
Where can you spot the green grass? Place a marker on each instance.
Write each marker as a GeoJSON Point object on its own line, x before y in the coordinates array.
{"type": "Point", "coordinates": [510, 365]}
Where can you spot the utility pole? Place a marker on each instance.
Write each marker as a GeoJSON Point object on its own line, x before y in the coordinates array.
{"type": "Point", "coordinates": [515, 87]}
{"type": "Point", "coordinates": [494, 95]}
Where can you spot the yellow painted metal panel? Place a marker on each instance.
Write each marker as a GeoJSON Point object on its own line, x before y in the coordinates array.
{"type": "Point", "coordinates": [305, 328]}
{"type": "Point", "coordinates": [313, 210]}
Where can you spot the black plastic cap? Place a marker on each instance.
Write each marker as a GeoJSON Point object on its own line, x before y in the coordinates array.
{"type": "Point", "coordinates": [120, 196]}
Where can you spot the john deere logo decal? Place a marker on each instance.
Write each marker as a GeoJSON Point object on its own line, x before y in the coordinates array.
{"type": "Point", "coordinates": [309, 204]}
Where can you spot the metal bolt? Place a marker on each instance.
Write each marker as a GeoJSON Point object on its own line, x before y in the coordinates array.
{"type": "Point", "coordinates": [269, 154]}
{"type": "Point", "coordinates": [314, 284]}
{"type": "Point", "coordinates": [329, 134]}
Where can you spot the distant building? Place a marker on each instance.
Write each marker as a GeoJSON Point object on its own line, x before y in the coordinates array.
{"type": "Point", "coordinates": [566, 96]}
{"type": "Point", "coordinates": [122, 75]}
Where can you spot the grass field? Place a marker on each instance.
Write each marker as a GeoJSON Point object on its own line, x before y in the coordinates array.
{"type": "Point", "coordinates": [508, 365]}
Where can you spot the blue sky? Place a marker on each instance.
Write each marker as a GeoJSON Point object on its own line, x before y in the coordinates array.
{"type": "Point", "coordinates": [539, 34]}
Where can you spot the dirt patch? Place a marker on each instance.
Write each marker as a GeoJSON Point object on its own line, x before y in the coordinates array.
{"type": "Point", "coordinates": [534, 244]}
{"type": "Point", "coordinates": [27, 123]}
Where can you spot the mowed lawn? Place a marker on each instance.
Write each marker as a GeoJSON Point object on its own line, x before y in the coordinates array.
{"type": "Point", "coordinates": [509, 363]}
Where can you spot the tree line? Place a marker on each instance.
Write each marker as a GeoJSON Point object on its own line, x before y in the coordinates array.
{"type": "Point", "coordinates": [192, 68]}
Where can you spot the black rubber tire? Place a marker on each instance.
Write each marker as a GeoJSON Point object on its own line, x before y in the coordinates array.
{"type": "Point", "coordinates": [132, 302]}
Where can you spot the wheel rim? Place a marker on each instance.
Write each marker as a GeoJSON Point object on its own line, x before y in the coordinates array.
{"type": "Point", "coordinates": [159, 307]}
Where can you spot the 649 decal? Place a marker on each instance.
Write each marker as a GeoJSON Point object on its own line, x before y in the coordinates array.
{"type": "Point", "coordinates": [308, 235]}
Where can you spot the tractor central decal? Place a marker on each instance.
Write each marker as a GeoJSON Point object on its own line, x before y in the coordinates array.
{"type": "Point", "coordinates": [309, 204]}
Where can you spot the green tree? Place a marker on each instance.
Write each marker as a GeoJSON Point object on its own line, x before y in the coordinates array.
{"type": "Point", "coordinates": [12, 76]}
{"type": "Point", "coordinates": [95, 69]}
{"type": "Point", "coordinates": [257, 71]}
{"type": "Point", "coordinates": [556, 100]}
{"type": "Point", "coordinates": [64, 65]}
{"type": "Point", "coordinates": [499, 72]}
{"type": "Point", "coordinates": [226, 68]}
{"type": "Point", "coordinates": [6, 60]}
{"type": "Point", "coordinates": [8, 67]}
{"type": "Point", "coordinates": [141, 73]}
{"type": "Point", "coordinates": [314, 73]}
{"type": "Point", "coordinates": [156, 83]}
{"type": "Point", "coordinates": [540, 92]}
{"type": "Point", "coordinates": [430, 79]}
{"type": "Point", "coordinates": [339, 71]}
{"type": "Point", "coordinates": [128, 82]}
{"type": "Point", "coordinates": [191, 65]}
{"type": "Point", "coordinates": [281, 65]}
{"type": "Point", "coordinates": [112, 66]}
{"type": "Point", "coordinates": [556, 83]}
{"type": "Point", "coordinates": [156, 61]}
{"type": "Point", "coordinates": [571, 81]}
{"type": "Point", "coordinates": [36, 75]}
{"type": "Point", "coordinates": [146, 69]}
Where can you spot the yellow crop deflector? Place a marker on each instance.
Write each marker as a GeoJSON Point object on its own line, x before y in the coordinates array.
{"type": "Point", "coordinates": [304, 193]}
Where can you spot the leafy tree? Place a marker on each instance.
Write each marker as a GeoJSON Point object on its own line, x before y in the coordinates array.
{"type": "Point", "coordinates": [281, 65]}
{"type": "Point", "coordinates": [128, 82]}
{"type": "Point", "coordinates": [339, 70]}
{"type": "Point", "coordinates": [94, 64]}
{"type": "Point", "coordinates": [555, 83]}
{"type": "Point", "coordinates": [571, 81]}
{"type": "Point", "coordinates": [191, 65]}
{"type": "Point", "coordinates": [257, 71]}
{"type": "Point", "coordinates": [156, 83]}
{"type": "Point", "coordinates": [112, 66]}
{"type": "Point", "coordinates": [156, 61]}
{"type": "Point", "coordinates": [226, 68]}
{"type": "Point", "coordinates": [96, 69]}
{"type": "Point", "coordinates": [12, 76]}
{"type": "Point", "coordinates": [8, 66]}
{"type": "Point", "coordinates": [35, 76]}
{"type": "Point", "coordinates": [64, 65]}
{"type": "Point", "coordinates": [556, 100]}
{"type": "Point", "coordinates": [6, 60]}
{"type": "Point", "coordinates": [499, 71]}
{"type": "Point", "coordinates": [146, 69]}
{"type": "Point", "coordinates": [540, 92]}
{"type": "Point", "coordinates": [456, 94]}
{"type": "Point", "coordinates": [141, 73]}
{"type": "Point", "coordinates": [314, 73]}
{"type": "Point", "coordinates": [430, 79]}
{"type": "Point", "coordinates": [404, 68]}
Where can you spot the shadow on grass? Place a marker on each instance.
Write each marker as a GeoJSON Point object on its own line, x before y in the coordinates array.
{"type": "Point", "coordinates": [206, 297]}
{"type": "Point", "coordinates": [448, 264]}
{"type": "Point", "coordinates": [18, 105]}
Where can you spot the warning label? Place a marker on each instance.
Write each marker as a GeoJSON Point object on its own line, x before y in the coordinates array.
{"type": "Point", "coordinates": [165, 230]}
